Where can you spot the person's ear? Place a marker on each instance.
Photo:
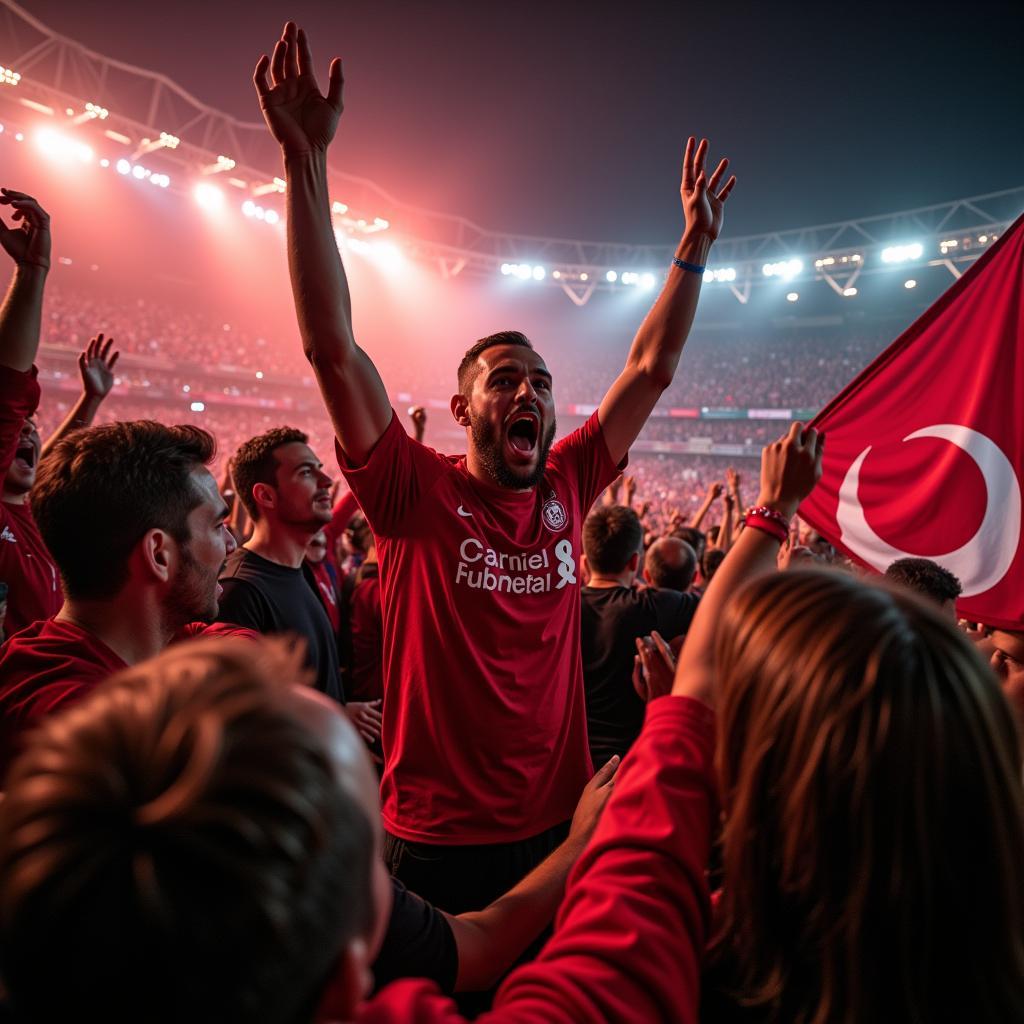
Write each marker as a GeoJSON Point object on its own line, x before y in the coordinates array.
{"type": "Point", "coordinates": [264, 495]}
{"type": "Point", "coordinates": [634, 563]}
{"type": "Point", "coordinates": [157, 552]}
{"type": "Point", "coordinates": [585, 566]}
{"type": "Point", "coordinates": [460, 410]}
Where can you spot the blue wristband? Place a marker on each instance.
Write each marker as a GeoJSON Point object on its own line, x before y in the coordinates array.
{"type": "Point", "coordinates": [691, 267]}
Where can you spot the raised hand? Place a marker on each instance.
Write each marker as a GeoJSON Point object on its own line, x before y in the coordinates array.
{"type": "Point", "coordinates": [714, 490]}
{"type": "Point", "coordinates": [28, 244]}
{"type": "Point", "coordinates": [654, 667]}
{"type": "Point", "coordinates": [790, 468]}
{"type": "Point", "coordinates": [703, 200]}
{"type": "Point", "coordinates": [96, 365]}
{"type": "Point", "coordinates": [591, 803]}
{"type": "Point", "coordinates": [418, 415]}
{"type": "Point", "coordinates": [300, 118]}
{"type": "Point", "coordinates": [732, 480]}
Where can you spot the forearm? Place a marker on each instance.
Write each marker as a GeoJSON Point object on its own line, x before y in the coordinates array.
{"type": "Point", "coordinates": [725, 531]}
{"type": "Point", "coordinates": [353, 393]}
{"type": "Point", "coordinates": [698, 517]}
{"type": "Point", "coordinates": [753, 553]}
{"type": "Point", "coordinates": [490, 940]}
{"type": "Point", "coordinates": [323, 304]}
{"type": "Point", "coordinates": [659, 342]}
{"type": "Point", "coordinates": [21, 317]}
{"type": "Point", "coordinates": [81, 415]}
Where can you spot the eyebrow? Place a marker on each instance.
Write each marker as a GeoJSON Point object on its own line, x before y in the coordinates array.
{"type": "Point", "coordinates": [516, 367]}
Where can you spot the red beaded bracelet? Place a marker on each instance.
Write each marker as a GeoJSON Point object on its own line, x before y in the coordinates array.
{"type": "Point", "coordinates": [768, 520]}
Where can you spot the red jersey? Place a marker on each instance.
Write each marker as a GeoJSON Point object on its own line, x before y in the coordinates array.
{"type": "Point", "coordinates": [631, 931]}
{"type": "Point", "coordinates": [44, 668]}
{"type": "Point", "coordinates": [25, 564]}
{"type": "Point", "coordinates": [485, 734]}
{"type": "Point", "coordinates": [326, 591]}
{"type": "Point", "coordinates": [365, 620]}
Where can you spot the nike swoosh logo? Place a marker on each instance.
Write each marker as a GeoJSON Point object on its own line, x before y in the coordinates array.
{"type": "Point", "coordinates": [462, 512]}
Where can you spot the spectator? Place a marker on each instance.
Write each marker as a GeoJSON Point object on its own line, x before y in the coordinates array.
{"type": "Point", "coordinates": [485, 752]}
{"type": "Point", "coordinates": [157, 541]}
{"type": "Point", "coordinates": [929, 579]}
{"type": "Point", "coordinates": [614, 615]}
{"type": "Point", "coordinates": [670, 564]}
{"type": "Point", "coordinates": [871, 754]}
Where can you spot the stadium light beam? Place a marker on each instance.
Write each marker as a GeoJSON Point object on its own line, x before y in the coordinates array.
{"type": "Point", "coordinates": [783, 268]}
{"type": "Point", "coordinates": [61, 147]}
{"type": "Point", "coordinates": [208, 196]}
{"type": "Point", "coordinates": [902, 253]}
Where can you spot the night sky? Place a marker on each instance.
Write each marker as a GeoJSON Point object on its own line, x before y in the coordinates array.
{"type": "Point", "coordinates": [569, 119]}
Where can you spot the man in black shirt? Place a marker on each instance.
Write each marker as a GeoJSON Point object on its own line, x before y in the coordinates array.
{"type": "Point", "coordinates": [614, 615]}
{"type": "Point", "coordinates": [283, 487]}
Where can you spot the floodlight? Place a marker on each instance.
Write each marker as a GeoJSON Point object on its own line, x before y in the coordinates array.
{"type": "Point", "coordinates": [792, 296]}
{"type": "Point", "coordinates": [611, 277]}
{"type": "Point", "coordinates": [198, 406]}
{"type": "Point", "coordinates": [647, 281]}
{"type": "Point", "coordinates": [123, 166]}
{"type": "Point", "coordinates": [208, 196]}
{"type": "Point", "coordinates": [539, 273]}
{"type": "Point", "coordinates": [272, 216]}
{"type": "Point", "coordinates": [62, 147]}
{"type": "Point", "coordinates": [783, 268]}
{"type": "Point", "coordinates": [902, 253]}
{"type": "Point", "coordinates": [849, 292]}
{"type": "Point", "coordinates": [910, 284]}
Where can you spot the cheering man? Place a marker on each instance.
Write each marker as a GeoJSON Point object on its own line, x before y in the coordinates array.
{"type": "Point", "coordinates": [484, 726]}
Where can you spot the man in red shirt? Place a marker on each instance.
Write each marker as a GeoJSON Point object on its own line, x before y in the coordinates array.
{"type": "Point", "coordinates": [25, 564]}
{"type": "Point", "coordinates": [136, 525]}
{"type": "Point", "coordinates": [484, 720]}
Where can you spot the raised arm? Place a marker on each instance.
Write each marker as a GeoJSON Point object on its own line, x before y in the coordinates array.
{"type": "Point", "coordinates": [304, 122]}
{"type": "Point", "coordinates": [21, 314]}
{"type": "Point", "coordinates": [789, 470]}
{"type": "Point", "coordinates": [96, 365]}
{"type": "Point", "coordinates": [654, 356]}
{"type": "Point", "coordinates": [714, 490]}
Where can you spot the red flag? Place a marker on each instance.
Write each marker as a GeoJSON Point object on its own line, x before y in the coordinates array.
{"type": "Point", "coordinates": [924, 451]}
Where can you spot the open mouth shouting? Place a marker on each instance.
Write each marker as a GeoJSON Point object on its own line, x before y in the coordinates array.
{"type": "Point", "coordinates": [26, 455]}
{"type": "Point", "coordinates": [522, 434]}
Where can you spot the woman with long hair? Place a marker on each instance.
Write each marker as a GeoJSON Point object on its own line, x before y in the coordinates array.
{"type": "Point", "coordinates": [869, 769]}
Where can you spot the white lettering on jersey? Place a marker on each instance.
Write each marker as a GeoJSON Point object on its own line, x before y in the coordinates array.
{"type": "Point", "coordinates": [518, 573]}
{"type": "Point", "coordinates": [462, 512]}
{"type": "Point", "coordinates": [7, 535]}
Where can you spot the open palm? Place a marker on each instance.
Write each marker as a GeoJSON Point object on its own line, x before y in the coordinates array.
{"type": "Point", "coordinates": [703, 200]}
{"type": "Point", "coordinates": [298, 115]}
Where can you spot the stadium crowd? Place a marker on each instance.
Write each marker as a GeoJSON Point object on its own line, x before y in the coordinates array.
{"type": "Point", "coordinates": [544, 732]}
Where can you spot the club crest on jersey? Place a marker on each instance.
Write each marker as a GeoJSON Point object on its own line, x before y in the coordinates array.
{"type": "Point", "coordinates": [554, 515]}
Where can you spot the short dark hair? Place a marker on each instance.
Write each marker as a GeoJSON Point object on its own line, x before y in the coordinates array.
{"type": "Point", "coordinates": [100, 489]}
{"type": "Point", "coordinates": [926, 577]}
{"type": "Point", "coordinates": [255, 463]}
{"type": "Point", "coordinates": [671, 564]}
{"type": "Point", "coordinates": [182, 838]}
{"type": "Point", "coordinates": [713, 558]}
{"type": "Point", "coordinates": [468, 368]}
{"type": "Point", "coordinates": [612, 535]}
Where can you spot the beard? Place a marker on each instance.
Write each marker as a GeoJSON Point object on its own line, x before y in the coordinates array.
{"type": "Point", "coordinates": [487, 442]}
{"type": "Point", "coordinates": [193, 595]}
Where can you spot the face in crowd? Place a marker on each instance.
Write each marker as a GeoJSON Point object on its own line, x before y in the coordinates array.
{"type": "Point", "coordinates": [22, 473]}
{"type": "Point", "coordinates": [510, 411]}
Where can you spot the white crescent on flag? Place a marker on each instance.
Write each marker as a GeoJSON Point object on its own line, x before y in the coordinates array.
{"type": "Point", "coordinates": [986, 558]}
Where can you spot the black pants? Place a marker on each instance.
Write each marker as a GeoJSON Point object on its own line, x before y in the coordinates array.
{"type": "Point", "coordinates": [462, 878]}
